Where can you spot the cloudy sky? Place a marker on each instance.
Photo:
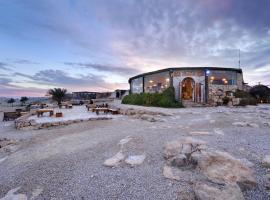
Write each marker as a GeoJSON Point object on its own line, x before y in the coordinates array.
{"type": "Point", "coordinates": [97, 45]}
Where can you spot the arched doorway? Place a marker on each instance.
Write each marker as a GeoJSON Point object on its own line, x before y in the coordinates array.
{"type": "Point", "coordinates": [188, 89]}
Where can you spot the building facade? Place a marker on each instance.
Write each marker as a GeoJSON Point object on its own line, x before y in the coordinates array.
{"type": "Point", "coordinates": [194, 84]}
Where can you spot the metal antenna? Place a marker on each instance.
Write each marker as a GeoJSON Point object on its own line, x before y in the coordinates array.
{"type": "Point", "coordinates": [239, 54]}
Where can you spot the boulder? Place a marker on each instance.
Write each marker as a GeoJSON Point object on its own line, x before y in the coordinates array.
{"type": "Point", "coordinates": [115, 160]}
{"type": "Point", "coordinates": [209, 192]}
{"type": "Point", "coordinates": [186, 193]}
{"type": "Point", "coordinates": [182, 146]}
{"type": "Point", "coordinates": [222, 167]}
{"type": "Point", "coordinates": [168, 173]}
{"type": "Point", "coordinates": [266, 161]}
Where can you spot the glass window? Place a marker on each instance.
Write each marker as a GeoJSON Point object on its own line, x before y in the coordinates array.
{"type": "Point", "coordinates": [137, 85]}
{"type": "Point", "coordinates": [222, 77]}
{"type": "Point", "coordinates": [156, 82]}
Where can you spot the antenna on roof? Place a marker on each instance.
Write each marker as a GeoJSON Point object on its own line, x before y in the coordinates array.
{"type": "Point", "coordinates": [239, 54]}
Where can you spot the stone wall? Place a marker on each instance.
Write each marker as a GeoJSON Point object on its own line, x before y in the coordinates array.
{"type": "Point", "coordinates": [25, 123]}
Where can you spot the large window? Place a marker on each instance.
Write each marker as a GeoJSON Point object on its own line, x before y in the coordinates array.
{"type": "Point", "coordinates": [156, 82]}
{"type": "Point", "coordinates": [222, 77]}
{"type": "Point", "coordinates": [137, 85]}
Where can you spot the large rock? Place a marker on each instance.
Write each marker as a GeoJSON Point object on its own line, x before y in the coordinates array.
{"type": "Point", "coordinates": [227, 192]}
{"type": "Point", "coordinates": [186, 193]}
{"type": "Point", "coordinates": [266, 161]}
{"type": "Point", "coordinates": [135, 160]}
{"type": "Point", "coordinates": [115, 160]}
{"type": "Point", "coordinates": [168, 173]}
{"type": "Point", "coordinates": [182, 146]}
{"type": "Point", "coordinates": [222, 167]}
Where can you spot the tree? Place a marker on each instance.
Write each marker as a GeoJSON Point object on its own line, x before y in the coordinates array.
{"type": "Point", "coordinates": [58, 95]}
{"type": "Point", "coordinates": [261, 93]}
{"type": "Point", "coordinates": [23, 100]}
{"type": "Point", "coordinates": [11, 101]}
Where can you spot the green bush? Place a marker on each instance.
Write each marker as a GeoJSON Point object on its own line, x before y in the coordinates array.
{"type": "Point", "coordinates": [247, 101]}
{"type": "Point", "coordinates": [165, 99]}
{"type": "Point", "coordinates": [225, 100]}
{"type": "Point", "coordinates": [246, 98]}
{"type": "Point", "coordinates": [241, 94]}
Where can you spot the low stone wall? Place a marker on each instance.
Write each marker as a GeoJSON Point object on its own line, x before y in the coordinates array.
{"type": "Point", "coordinates": [150, 116]}
{"type": "Point", "coordinates": [25, 123]}
{"type": "Point", "coordinates": [132, 111]}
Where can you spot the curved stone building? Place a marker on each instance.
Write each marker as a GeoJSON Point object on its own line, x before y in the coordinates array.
{"type": "Point", "coordinates": [192, 84]}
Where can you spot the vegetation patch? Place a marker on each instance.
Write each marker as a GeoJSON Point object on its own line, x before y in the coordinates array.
{"type": "Point", "coordinates": [246, 98]}
{"type": "Point", "coordinates": [165, 99]}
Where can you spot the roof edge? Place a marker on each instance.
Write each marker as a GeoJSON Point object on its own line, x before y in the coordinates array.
{"type": "Point", "coordinates": [239, 70]}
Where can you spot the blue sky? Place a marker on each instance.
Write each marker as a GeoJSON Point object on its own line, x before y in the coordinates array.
{"type": "Point", "coordinates": [97, 45]}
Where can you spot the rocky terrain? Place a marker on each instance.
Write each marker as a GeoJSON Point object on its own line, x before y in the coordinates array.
{"type": "Point", "coordinates": [149, 153]}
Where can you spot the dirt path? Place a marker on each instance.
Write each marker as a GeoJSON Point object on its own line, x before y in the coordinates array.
{"type": "Point", "coordinates": [67, 162]}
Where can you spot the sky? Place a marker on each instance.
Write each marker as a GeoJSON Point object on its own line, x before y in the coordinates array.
{"type": "Point", "coordinates": [96, 45]}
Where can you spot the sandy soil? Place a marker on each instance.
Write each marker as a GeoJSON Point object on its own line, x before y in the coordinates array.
{"type": "Point", "coordinates": [67, 162]}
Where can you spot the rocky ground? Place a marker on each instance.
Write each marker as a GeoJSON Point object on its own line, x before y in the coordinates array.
{"type": "Point", "coordinates": [142, 156]}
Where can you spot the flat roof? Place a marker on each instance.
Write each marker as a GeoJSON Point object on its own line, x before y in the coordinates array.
{"type": "Point", "coordinates": [239, 70]}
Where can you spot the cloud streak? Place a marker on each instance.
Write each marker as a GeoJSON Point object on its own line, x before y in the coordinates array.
{"type": "Point", "coordinates": [105, 68]}
{"type": "Point", "coordinates": [119, 39]}
{"type": "Point", "coordinates": [4, 66]}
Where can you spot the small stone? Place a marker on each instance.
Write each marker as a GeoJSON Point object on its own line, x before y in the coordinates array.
{"type": "Point", "coordinates": [200, 133]}
{"type": "Point", "coordinates": [253, 125]}
{"type": "Point", "coordinates": [240, 124]}
{"type": "Point", "coordinates": [218, 131]}
{"type": "Point", "coordinates": [266, 161]}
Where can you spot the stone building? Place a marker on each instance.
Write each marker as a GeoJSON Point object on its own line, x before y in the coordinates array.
{"type": "Point", "coordinates": [192, 84]}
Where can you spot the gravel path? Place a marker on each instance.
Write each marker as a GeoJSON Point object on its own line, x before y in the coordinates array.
{"type": "Point", "coordinates": [67, 162]}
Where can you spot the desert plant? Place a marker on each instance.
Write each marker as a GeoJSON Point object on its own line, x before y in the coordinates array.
{"type": "Point", "coordinates": [23, 100]}
{"type": "Point", "coordinates": [165, 99]}
{"type": "Point", "coordinates": [58, 95]}
{"type": "Point", "coordinates": [11, 101]}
